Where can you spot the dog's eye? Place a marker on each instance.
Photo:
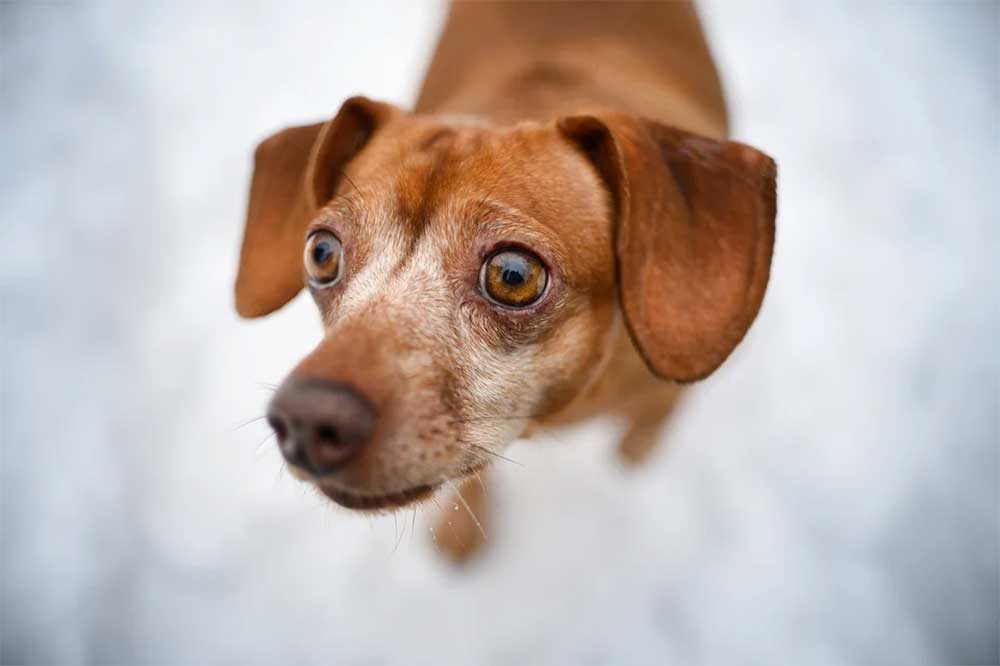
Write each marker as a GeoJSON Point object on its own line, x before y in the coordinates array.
{"type": "Point", "coordinates": [515, 278]}
{"type": "Point", "coordinates": [323, 258]}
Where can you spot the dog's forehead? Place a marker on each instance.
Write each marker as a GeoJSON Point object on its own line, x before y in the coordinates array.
{"type": "Point", "coordinates": [419, 167]}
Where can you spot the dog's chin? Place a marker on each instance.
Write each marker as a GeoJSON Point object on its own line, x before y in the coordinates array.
{"type": "Point", "coordinates": [387, 501]}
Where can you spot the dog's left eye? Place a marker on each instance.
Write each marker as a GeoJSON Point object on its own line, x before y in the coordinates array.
{"type": "Point", "coordinates": [323, 258]}
{"type": "Point", "coordinates": [515, 278]}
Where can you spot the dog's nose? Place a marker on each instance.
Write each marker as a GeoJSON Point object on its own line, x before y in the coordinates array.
{"type": "Point", "coordinates": [320, 425]}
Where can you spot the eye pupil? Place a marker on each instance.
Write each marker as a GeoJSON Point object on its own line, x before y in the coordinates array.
{"type": "Point", "coordinates": [322, 253]}
{"type": "Point", "coordinates": [512, 276]}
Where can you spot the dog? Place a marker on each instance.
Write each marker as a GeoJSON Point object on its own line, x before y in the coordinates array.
{"type": "Point", "coordinates": [558, 230]}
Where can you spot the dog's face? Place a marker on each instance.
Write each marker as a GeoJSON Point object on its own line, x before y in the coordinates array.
{"type": "Point", "coordinates": [456, 295]}
{"type": "Point", "coordinates": [468, 278]}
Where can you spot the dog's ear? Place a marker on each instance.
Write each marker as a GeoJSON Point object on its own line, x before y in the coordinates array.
{"type": "Point", "coordinates": [694, 232]}
{"type": "Point", "coordinates": [296, 171]}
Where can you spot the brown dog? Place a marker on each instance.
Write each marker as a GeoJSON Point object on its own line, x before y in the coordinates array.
{"type": "Point", "coordinates": [557, 230]}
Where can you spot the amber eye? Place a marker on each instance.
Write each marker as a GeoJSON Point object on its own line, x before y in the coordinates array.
{"type": "Point", "coordinates": [323, 258]}
{"type": "Point", "coordinates": [515, 278]}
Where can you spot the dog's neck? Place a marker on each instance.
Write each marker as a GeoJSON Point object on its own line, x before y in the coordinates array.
{"type": "Point", "coordinates": [538, 61]}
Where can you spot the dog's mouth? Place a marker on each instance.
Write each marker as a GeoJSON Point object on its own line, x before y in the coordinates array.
{"type": "Point", "coordinates": [393, 500]}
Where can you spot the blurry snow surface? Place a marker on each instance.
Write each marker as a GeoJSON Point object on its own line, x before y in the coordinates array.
{"type": "Point", "coordinates": [829, 496]}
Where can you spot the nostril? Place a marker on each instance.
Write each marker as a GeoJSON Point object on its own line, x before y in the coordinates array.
{"type": "Point", "coordinates": [278, 426]}
{"type": "Point", "coordinates": [327, 435]}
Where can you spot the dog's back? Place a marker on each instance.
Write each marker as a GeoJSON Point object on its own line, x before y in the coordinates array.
{"type": "Point", "coordinates": [512, 61]}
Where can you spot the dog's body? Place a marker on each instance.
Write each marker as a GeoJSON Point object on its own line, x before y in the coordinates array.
{"type": "Point", "coordinates": [540, 61]}
{"type": "Point", "coordinates": [653, 247]}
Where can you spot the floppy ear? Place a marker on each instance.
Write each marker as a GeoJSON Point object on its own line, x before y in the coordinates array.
{"type": "Point", "coordinates": [295, 173]}
{"type": "Point", "coordinates": [694, 233]}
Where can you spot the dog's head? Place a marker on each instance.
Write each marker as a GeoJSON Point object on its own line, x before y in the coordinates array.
{"type": "Point", "coordinates": [468, 277]}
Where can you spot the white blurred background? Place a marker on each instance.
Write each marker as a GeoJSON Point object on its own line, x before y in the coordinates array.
{"type": "Point", "coordinates": [830, 496]}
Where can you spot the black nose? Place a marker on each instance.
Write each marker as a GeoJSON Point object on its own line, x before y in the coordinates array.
{"type": "Point", "coordinates": [320, 425]}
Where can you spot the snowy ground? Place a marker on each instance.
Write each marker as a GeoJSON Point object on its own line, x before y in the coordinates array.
{"type": "Point", "coordinates": [829, 496]}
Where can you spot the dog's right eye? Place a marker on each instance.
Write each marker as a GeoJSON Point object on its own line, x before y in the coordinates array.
{"type": "Point", "coordinates": [323, 258]}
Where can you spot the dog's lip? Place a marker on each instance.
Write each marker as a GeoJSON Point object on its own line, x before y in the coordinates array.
{"type": "Point", "coordinates": [392, 500]}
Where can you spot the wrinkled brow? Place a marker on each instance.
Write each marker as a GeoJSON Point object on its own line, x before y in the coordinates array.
{"type": "Point", "coordinates": [500, 220]}
{"type": "Point", "coordinates": [433, 172]}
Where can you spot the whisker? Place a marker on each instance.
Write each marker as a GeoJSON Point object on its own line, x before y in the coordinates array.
{"type": "Point", "coordinates": [444, 516]}
{"type": "Point", "coordinates": [468, 509]}
{"type": "Point", "coordinates": [399, 535]}
{"type": "Point", "coordinates": [261, 442]}
{"type": "Point", "coordinates": [281, 469]}
{"type": "Point", "coordinates": [413, 524]}
{"type": "Point", "coordinates": [481, 484]}
{"type": "Point", "coordinates": [348, 179]}
{"type": "Point", "coordinates": [246, 423]}
{"type": "Point", "coordinates": [494, 453]}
